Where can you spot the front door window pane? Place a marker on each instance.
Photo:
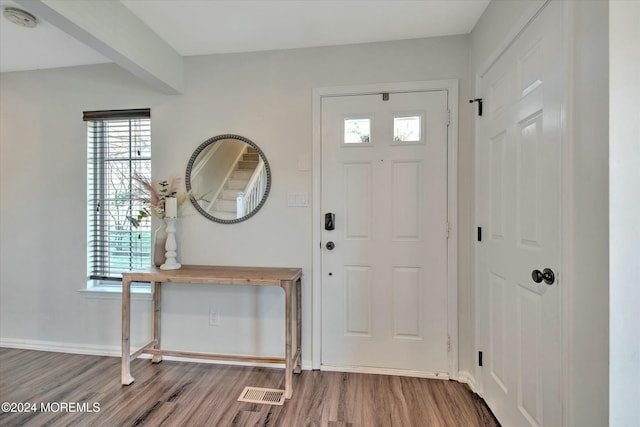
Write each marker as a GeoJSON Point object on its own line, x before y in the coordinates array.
{"type": "Point", "coordinates": [357, 131]}
{"type": "Point", "coordinates": [406, 129]}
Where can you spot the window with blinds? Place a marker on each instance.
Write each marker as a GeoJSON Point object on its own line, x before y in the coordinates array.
{"type": "Point", "coordinates": [119, 148]}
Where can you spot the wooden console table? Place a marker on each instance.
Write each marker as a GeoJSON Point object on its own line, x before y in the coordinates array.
{"type": "Point", "coordinates": [289, 279]}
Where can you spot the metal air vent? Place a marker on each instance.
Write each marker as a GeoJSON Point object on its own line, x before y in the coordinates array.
{"type": "Point", "coordinates": [266, 396]}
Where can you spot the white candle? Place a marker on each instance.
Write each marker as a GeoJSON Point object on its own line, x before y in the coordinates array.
{"type": "Point", "coordinates": [170, 207]}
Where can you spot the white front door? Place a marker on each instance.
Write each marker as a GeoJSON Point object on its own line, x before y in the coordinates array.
{"type": "Point", "coordinates": [519, 209]}
{"type": "Point", "coordinates": [384, 263]}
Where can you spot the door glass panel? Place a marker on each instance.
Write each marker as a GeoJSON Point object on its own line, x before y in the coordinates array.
{"type": "Point", "coordinates": [406, 128]}
{"type": "Point", "coordinates": [357, 131]}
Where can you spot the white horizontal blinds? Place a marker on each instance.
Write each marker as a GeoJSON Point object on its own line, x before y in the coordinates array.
{"type": "Point", "coordinates": [119, 147]}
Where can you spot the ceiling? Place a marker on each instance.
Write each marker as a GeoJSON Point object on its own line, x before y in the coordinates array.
{"type": "Point", "coordinates": [203, 27]}
{"type": "Point", "coordinates": [44, 46]}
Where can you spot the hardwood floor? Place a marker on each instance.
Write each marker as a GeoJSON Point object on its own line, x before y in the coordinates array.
{"type": "Point", "coordinates": [197, 394]}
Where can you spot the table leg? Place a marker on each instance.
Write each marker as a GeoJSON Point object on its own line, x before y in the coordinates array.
{"type": "Point", "coordinates": [298, 365]}
{"type": "Point", "coordinates": [288, 379]}
{"type": "Point", "coordinates": [125, 367]}
{"type": "Point", "coordinates": [157, 298]}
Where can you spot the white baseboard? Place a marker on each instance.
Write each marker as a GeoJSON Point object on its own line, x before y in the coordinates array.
{"type": "Point", "coordinates": [468, 379]}
{"type": "Point", "coordinates": [58, 347]}
{"type": "Point", "coordinates": [114, 351]}
{"type": "Point", "coordinates": [386, 371]}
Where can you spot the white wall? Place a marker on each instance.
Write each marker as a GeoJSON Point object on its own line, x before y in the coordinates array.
{"type": "Point", "coordinates": [587, 272]}
{"type": "Point", "coordinates": [263, 96]}
{"type": "Point", "coordinates": [43, 203]}
{"type": "Point", "coordinates": [588, 303]}
{"type": "Point", "coordinates": [624, 215]}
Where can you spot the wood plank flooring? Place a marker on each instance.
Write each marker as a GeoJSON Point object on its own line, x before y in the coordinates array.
{"type": "Point", "coordinates": [197, 394]}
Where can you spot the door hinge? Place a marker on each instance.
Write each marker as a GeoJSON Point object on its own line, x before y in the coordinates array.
{"type": "Point", "coordinates": [448, 229]}
{"type": "Point", "coordinates": [479, 358]}
{"type": "Point", "coordinates": [448, 343]}
{"type": "Point", "coordinates": [385, 96]}
{"type": "Point", "coordinates": [448, 117]}
{"type": "Point", "coordinates": [479, 101]}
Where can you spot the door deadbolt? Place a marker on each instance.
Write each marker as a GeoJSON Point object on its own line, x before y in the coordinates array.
{"type": "Point", "coordinates": [329, 221]}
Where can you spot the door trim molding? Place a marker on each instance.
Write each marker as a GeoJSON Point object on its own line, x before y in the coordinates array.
{"type": "Point", "coordinates": [451, 86]}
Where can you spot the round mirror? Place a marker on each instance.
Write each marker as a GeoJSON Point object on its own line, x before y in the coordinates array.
{"type": "Point", "coordinates": [229, 178]}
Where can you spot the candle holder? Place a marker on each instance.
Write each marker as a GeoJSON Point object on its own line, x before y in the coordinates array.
{"type": "Point", "coordinates": [171, 246]}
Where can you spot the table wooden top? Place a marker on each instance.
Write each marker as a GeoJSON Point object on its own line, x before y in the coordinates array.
{"type": "Point", "coordinates": [224, 275]}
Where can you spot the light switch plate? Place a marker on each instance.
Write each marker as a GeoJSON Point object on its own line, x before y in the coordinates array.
{"type": "Point", "coordinates": [298, 198]}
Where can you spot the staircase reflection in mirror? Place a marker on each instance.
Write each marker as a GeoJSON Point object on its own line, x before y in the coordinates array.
{"type": "Point", "coordinates": [229, 178]}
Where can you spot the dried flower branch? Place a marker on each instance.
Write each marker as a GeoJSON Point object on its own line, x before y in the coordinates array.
{"type": "Point", "coordinates": [153, 197]}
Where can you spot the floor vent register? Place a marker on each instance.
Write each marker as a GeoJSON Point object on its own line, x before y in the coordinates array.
{"type": "Point", "coordinates": [267, 396]}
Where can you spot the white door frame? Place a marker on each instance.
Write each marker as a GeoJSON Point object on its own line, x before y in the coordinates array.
{"type": "Point", "coordinates": [451, 86]}
{"type": "Point", "coordinates": [565, 276]}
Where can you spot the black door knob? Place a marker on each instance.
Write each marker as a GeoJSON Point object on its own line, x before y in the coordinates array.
{"type": "Point", "coordinates": [548, 276]}
{"type": "Point", "coordinates": [330, 245]}
{"type": "Point", "coordinates": [537, 276]}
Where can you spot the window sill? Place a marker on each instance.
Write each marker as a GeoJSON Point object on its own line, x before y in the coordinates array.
{"type": "Point", "coordinates": [97, 289]}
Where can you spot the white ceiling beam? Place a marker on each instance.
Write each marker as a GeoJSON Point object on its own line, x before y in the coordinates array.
{"type": "Point", "coordinates": [114, 31]}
